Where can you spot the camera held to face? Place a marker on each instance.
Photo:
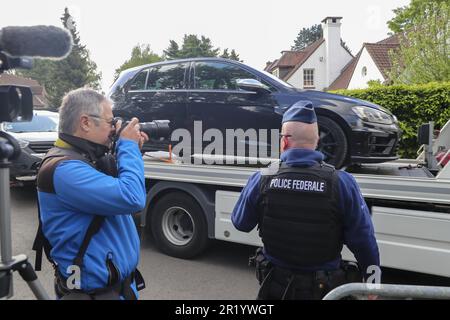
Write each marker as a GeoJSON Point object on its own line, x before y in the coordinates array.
{"type": "Point", "coordinates": [155, 129]}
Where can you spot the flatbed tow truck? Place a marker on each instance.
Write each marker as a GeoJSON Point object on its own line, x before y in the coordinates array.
{"type": "Point", "coordinates": [409, 200]}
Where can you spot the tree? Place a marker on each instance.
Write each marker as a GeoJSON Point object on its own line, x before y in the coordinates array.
{"type": "Point", "coordinates": [75, 71]}
{"type": "Point", "coordinates": [423, 31]}
{"type": "Point", "coordinates": [405, 17]}
{"type": "Point", "coordinates": [232, 56]}
{"type": "Point", "coordinates": [193, 46]}
{"type": "Point", "coordinates": [307, 36]}
{"type": "Point", "coordinates": [173, 51]}
{"type": "Point", "coordinates": [140, 54]}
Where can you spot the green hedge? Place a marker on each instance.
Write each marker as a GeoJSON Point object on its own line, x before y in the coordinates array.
{"type": "Point", "coordinates": [412, 104]}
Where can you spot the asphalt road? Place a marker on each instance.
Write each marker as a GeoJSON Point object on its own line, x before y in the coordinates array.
{"type": "Point", "coordinates": [219, 274]}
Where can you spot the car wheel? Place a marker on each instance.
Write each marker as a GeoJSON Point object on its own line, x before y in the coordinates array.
{"type": "Point", "coordinates": [332, 142]}
{"type": "Point", "coordinates": [179, 226]}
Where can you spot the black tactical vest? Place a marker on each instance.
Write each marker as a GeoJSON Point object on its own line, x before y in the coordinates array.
{"type": "Point", "coordinates": [300, 223]}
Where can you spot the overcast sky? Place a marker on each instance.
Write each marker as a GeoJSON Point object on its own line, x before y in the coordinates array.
{"type": "Point", "coordinates": [257, 29]}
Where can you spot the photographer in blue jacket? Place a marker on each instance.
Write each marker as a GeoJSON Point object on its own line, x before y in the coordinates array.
{"type": "Point", "coordinates": [87, 194]}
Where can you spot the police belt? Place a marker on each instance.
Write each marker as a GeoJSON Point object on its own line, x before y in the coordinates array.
{"type": "Point", "coordinates": [313, 277]}
{"type": "Point", "coordinates": [300, 285]}
{"type": "Point", "coordinates": [112, 292]}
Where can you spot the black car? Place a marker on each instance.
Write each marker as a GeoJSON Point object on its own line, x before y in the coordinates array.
{"type": "Point", "coordinates": [35, 138]}
{"type": "Point", "coordinates": [226, 94]}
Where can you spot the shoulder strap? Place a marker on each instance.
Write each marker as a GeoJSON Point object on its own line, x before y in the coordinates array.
{"type": "Point", "coordinates": [40, 244]}
{"type": "Point", "coordinates": [93, 228]}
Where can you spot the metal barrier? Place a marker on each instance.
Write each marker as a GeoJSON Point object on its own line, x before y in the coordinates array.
{"type": "Point", "coordinates": [389, 290]}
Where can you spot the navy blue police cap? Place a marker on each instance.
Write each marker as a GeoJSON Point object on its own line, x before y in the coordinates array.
{"type": "Point", "coordinates": [301, 111]}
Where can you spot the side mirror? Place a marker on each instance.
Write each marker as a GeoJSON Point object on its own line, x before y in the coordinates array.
{"type": "Point", "coordinates": [252, 85]}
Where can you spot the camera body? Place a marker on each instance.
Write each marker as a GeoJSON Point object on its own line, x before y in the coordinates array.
{"type": "Point", "coordinates": [16, 102]}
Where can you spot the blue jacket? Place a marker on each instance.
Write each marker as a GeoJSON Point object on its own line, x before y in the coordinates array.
{"type": "Point", "coordinates": [82, 192]}
{"type": "Point", "coordinates": [358, 229]}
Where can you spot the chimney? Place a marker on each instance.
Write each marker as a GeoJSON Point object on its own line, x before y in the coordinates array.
{"type": "Point", "coordinates": [331, 27]}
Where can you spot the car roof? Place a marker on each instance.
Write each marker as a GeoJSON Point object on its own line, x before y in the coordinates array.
{"type": "Point", "coordinates": [183, 60]}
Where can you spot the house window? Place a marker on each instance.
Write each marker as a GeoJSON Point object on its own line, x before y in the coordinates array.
{"type": "Point", "coordinates": [308, 78]}
{"type": "Point", "coordinates": [276, 72]}
{"type": "Point", "coordinates": [364, 71]}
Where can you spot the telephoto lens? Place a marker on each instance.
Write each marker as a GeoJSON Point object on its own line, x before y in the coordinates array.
{"type": "Point", "coordinates": [155, 129]}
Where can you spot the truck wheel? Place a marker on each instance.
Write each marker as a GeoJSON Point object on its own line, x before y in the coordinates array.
{"type": "Point", "coordinates": [179, 226]}
{"type": "Point", "coordinates": [332, 142]}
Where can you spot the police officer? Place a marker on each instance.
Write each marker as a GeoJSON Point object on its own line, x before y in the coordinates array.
{"type": "Point", "coordinates": [305, 212]}
{"type": "Point", "coordinates": [86, 200]}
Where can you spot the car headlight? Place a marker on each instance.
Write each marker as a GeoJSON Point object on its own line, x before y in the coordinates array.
{"type": "Point", "coordinates": [372, 115]}
{"type": "Point", "coordinates": [22, 143]}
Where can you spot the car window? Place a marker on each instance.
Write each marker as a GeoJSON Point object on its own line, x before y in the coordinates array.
{"type": "Point", "coordinates": [167, 77]}
{"type": "Point", "coordinates": [222, 76]}
{"type": "Point", "coordinates": [139, 81]}
{"type": "Point", "coordinates": [39, 123]}
{"type": "Point", "coordinates": [117, 86]}
{"type": "Point", "coordinates": [219, 75]}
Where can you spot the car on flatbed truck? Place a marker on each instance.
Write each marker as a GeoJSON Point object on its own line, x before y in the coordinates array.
{"type": "Point", "coordinates": [225, 94]}
{"type": "Point", "coordinates": [409, 200]}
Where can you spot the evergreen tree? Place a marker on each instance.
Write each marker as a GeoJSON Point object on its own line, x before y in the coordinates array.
{"type": "Point", "coordinates": [75, 71]}
{"type": "Point", "coordinates": [307, 36]}
{"type": "Point", "coordinates": [232, 56]}
{"type": "Point", "coordinates": [193, 46]}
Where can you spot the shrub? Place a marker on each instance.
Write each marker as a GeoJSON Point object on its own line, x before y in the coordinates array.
{"type": "Point", "coordinates": [412, 104]}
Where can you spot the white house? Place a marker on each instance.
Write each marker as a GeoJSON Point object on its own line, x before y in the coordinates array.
{"type": "Point", "coordinates": [372, 62]}
{"type": "Point", "coordinates": [319, 64]}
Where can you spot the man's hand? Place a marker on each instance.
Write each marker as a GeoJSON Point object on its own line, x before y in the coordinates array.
{"type": "Point", "coordinates": [143, 139]}
{"type": "Point", "coordinates": [131, 131]}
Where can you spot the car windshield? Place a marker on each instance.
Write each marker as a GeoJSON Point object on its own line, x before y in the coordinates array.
{"type": "Point", "coordinates": [40, 123]}
{"type": "Point", "coordinates": [271, 76]}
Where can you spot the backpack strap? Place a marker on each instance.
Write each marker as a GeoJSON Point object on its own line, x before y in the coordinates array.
{"type": "Point", "coordinates": [41, 244]}
{"type": "Point", "coordinates": [93, 228]}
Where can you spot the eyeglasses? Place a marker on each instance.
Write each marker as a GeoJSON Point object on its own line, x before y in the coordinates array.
{"type": "Point", "coordinates": [111, 122]}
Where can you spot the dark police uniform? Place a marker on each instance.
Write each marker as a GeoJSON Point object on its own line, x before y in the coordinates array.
{"type": "Point", "coordinates": [305, 213]}
{"type": "Point", "coordinates": [85, 216]}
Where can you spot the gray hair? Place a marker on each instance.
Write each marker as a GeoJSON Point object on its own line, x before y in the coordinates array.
{"type": "Point", "coordinates": [74, 104]}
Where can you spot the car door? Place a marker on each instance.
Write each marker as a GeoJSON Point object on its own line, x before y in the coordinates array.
{"type": "Point", "coordinates": [163, 97]}
{"type": "Point", "coordinates": [218, 103]}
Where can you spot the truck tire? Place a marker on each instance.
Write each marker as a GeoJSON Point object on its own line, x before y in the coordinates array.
{"type": "Point", "coordinates": [332, 142]}
{"type": "Point", "coordinates": [179, 226]}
